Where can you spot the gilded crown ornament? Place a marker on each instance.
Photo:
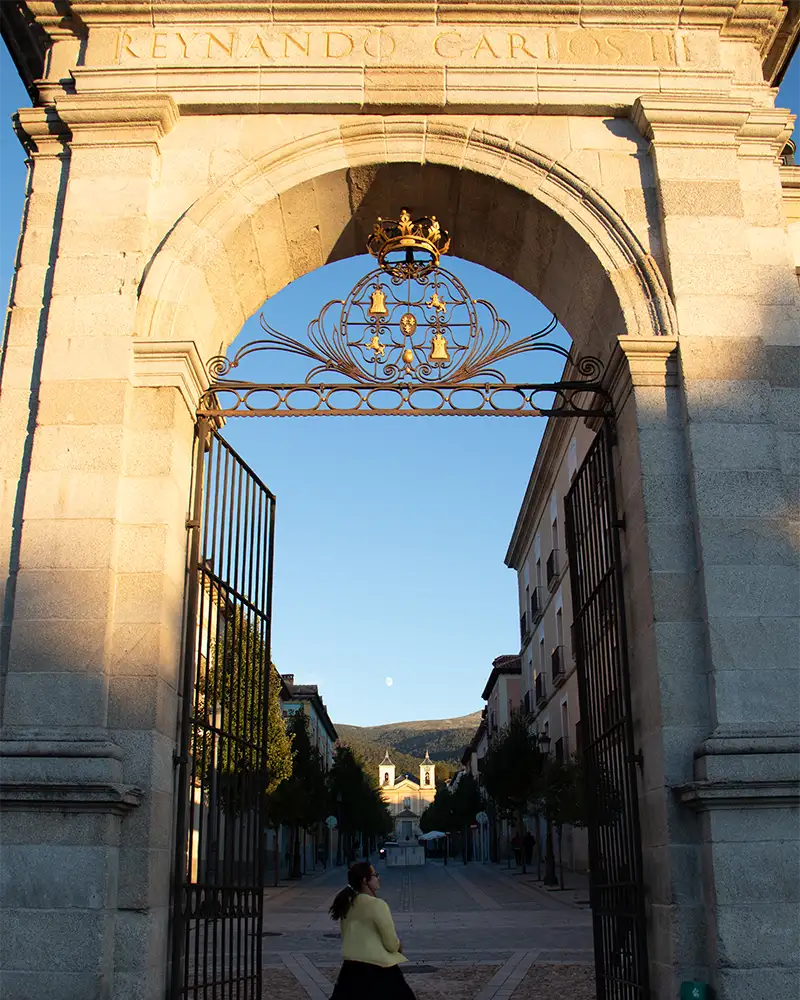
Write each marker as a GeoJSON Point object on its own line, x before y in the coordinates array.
{"type": "Point", "coordinates": [408, 236]}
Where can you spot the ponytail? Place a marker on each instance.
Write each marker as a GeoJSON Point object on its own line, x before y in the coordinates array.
{"type": "Point", "coordinates": [342, 902]}
{"type": "Point", "coordinates": [356, 876]}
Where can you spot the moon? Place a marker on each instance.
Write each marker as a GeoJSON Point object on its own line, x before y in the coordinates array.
{"type": "Point", "coordinates": [388, 681]}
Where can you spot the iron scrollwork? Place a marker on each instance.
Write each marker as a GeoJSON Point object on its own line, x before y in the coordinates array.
{"type": "Point", "coordinates": [407, 339]}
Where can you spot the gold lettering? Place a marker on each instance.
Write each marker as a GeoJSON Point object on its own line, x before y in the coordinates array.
{"type": "Point", "coordinates": [299, 45]}
{"type": "Point", "coordinates": [159, 45]}
{"type": "Point", "coordinates": [549, 38]}
{"type": "Point", "coordinates": [125, 46]}
{"type": "Point", "coordinates": [517, 41]}
{"type": "Point", "coordinates": [257, 43]}
{"type": "Point", "coordinates": [227, 49]}
{"type": "Point", "coordinates": [447, 34]}
{"type": "Point", "coordinates": [484, 43]}
{"type": "Point", "coordinates": [184, 42]}
{"type": "Point", "coordinates": [329, 35]}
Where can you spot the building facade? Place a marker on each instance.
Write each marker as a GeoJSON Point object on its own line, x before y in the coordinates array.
{"type": "Point", "coordinates": [538, 554]}
{"type": "Point", "coordinates": [306, 698]}
{"type": "Point", "coordinates": [502, 692]}
{"type": "Point", "coordinates": [407, 796]}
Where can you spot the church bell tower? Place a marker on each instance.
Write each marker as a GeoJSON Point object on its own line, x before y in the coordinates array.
{"type": "Point", "coordinates": [427, 773]}
{"type": "Point", "coordinates": [386, 772]}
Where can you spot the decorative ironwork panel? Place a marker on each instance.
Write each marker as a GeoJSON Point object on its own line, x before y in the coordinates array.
{"type": "Point", "coordinates": [221, 769]}
{"type": "Point", "coordinates": [600, 645]}
{"type": "Point", "coordinates": [407, 339]}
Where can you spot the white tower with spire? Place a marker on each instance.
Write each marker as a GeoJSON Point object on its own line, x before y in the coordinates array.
{"type": "Point", "coordinates": [427, 773]}
{"type": "Point", "coordinates": [386, 772]}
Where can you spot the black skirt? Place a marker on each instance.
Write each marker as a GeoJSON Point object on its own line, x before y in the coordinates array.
{"type": "Point", "coordinates": [362, 981]}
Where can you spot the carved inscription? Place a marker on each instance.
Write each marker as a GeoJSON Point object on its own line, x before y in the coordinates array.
{"type": "Point", "coordinates": [424, 45]}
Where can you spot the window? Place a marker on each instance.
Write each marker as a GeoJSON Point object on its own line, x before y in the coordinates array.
{"type": "Point", "coordinates": [559, 628]}
{"type": "Point", "coordinates": [572, 459]}
{"type": "Point", "coordinates": [386, 778]}
{"type": "Point", "coordinates": [427, 777]}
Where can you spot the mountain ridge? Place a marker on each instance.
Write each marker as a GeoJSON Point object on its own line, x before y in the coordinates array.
{"type": "Point", "coordinates": [407, 742]}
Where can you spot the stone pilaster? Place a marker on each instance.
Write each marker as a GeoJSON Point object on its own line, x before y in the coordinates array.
{"type": "Point", "coordinates": [90, 704]}
{"type": "Point", "coordinates": [669, 683]}
{"type": "Point", "coordinates": [737, 305]}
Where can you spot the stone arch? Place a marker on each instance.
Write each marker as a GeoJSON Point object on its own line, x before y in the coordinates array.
{"type": "Point", "coordinates": [511, 208]}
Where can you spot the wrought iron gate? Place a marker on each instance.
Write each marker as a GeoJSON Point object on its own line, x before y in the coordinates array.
{"type": "Point", "coordinates": [600, 644]}
{"type": "Point", "coordinates": [219, 849]}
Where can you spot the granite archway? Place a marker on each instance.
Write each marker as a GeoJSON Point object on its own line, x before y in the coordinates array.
{"type": "Point", "coordinates": [314, 202]}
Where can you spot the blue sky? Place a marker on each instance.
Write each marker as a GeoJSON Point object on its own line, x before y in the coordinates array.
{"type": "Point", "coordinates": [391, 532]}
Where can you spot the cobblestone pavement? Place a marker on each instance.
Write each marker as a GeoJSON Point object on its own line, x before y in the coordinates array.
{"type": "Point", "coordinates": [471, 932]}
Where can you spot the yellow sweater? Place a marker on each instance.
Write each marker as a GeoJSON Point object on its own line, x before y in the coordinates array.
{"type": "Point", "coordinates": [368, 933]}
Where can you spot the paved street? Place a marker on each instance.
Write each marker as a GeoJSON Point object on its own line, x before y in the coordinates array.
{"type": "Point", "coordinates": [473, 932]}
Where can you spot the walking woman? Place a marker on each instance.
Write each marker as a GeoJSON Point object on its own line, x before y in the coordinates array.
{"type": "Point", "coordinates": [371, 950]}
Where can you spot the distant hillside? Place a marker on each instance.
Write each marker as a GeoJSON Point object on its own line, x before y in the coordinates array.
{"type": "Point", "coordinates": [444, 739]}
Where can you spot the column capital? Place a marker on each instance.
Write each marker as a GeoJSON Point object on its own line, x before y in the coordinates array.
{"type": "Point", "coordinates": [41, 132]}
{"type": "Point", "coordinates": [118, 119]}
{"type": "Point", "coordinates": [766, 132]}
{"type": "Point", "coordinates": [687, 119]}
{"type": "Point", "coordinates": [641, 361]}
{"type": "Point", "coordinates": [175, 363]}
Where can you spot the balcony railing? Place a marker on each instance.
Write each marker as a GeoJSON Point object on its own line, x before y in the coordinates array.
{"type": "Point", "coordinates": [557, 665]}
{"type": "Point", "coordinates": [552, 569]}
{"type": "Point", "coordinates": [540, 690]}
{"type": "Point", "coordinates": [537, 605]}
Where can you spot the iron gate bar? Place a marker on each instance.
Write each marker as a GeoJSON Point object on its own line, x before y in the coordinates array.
{"type": "Point", "coordinates": [219, 863]}
{"type": "Point", "coordinates": [601, 650]}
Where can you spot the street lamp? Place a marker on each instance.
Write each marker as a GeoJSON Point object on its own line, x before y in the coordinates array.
{"type": "Point", "coordinates": [550, 854]}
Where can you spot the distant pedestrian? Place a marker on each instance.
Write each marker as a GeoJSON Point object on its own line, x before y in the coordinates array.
{"type": "Point", "coordinates": [528, 843]}
{"type": "Point", "coordinates": [371, 950]}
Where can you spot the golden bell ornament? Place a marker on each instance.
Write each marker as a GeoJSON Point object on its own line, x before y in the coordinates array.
{"type": "Point", "coordinates": [377, 305]}
{"type": "Point", "coordinates": [408, 356]}
{"type": "Point", "coordinates": [439, 351]}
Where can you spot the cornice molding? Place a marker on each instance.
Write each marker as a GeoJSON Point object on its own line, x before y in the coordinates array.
{"type": "Point", "coordinates": [172, 363]}
{"type": "Point", "coordinates": [641, 361]}
{"type": "Point", "coordinates": [42, 132]}
{"type": "Point", "coordinates": [707, 120]}
{"type": "Point", "coordinates": [545, 89]}
{"type": "Point", "coordinates": [703, 796]}
{"type": "Point", "coordinates": [63, 771]}
{"type": "Point", "coordinates": [765, 133]}
{"type": "Point", "coordinates": [117, 119]}
{"type": "Point", "coordinates": [690, 119]}
{"type": "Point", "coordinates": [756, 22]}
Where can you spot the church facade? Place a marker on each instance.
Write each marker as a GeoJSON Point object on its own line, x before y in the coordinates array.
{"type": "Point", "coordinates": [407, 797]}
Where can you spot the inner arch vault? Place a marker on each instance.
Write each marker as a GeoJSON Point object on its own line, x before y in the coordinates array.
{"type": "Point", "coordinates": [509, 208]}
